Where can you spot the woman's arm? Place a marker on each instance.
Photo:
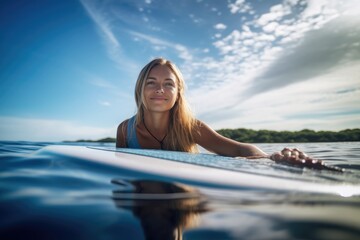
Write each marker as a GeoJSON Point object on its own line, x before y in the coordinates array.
{"type": "Point", "coordinates": [214, 142]}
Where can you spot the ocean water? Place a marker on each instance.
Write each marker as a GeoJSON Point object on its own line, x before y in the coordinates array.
{"type": "Point", "coordinates": [44, 195]}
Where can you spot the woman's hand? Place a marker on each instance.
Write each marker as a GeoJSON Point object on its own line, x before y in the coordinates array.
{"type": "Point", "coordinates": [288, 154]}
{"type": "Point", "coordinates": [295, 157]}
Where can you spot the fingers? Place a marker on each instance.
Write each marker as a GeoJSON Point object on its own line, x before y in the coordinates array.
{"type": "Point", "coordinates": [276, 156]}
{"type": "Point", "coordinates": [299, 154]}
{"type": "Point", "coordinates": [296, 157]}
{"type": "Point", "coordinates": [302, 155]}
{"type": "Point", "coordinates": [295, 152]}
{"type": "Point", "coordinates": [286, 152]}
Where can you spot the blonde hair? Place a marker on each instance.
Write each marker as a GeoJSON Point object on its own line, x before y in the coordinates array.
{"type": "Point", "coordinates": [180, 135]}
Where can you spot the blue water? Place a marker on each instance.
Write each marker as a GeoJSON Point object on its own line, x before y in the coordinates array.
{"type": "Point", "coordinates": [48, 196]}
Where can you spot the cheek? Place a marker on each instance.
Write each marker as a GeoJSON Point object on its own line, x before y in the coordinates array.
{"type": "Point", "coordinates": [147, 92]}
{"type": "Point", "coordinates": [145, 95]}
{"type": "Point", "coordinates": [176, 94]}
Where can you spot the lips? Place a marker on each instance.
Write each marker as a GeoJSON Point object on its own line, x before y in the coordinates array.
{"type": "Point", "coordinates": [158, 98]}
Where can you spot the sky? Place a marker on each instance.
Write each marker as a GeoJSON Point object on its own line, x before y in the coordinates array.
{"type": "Point", "coordinates": [68, 68]}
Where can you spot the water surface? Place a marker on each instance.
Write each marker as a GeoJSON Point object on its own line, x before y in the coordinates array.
{"type": "Point", "coordinates": [49, 196]}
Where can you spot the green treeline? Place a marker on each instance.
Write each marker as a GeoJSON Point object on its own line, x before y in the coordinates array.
{"type": "Point", "coordinates": [306, 135]}
{"type": "Point", "coordinates": [268, 136]}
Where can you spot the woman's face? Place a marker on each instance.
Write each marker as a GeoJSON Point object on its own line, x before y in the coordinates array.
{"type": "Point", "coordinates": [161, 89]}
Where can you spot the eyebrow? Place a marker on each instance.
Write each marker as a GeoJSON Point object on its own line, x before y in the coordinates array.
{"type": "Point", "coordinates": [167, 79]}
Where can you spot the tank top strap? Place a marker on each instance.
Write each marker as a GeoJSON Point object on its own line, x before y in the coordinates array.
{"type": "Point", "coordinates": [131, 138]}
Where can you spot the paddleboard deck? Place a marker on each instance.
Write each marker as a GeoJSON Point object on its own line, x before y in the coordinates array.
{"type": "Point", "coordinates": [180, 167]}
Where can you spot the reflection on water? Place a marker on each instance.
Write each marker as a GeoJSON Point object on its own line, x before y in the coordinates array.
{"type": "Point", "coordinates": [170, 211]}
{"type": "Point", "coordinates": [164, 209]}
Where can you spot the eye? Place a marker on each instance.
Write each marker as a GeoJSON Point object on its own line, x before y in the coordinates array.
{"type": "Point", "coordinates": [150, 82]}
{"type": "Point", "coordinates": [170, 84]}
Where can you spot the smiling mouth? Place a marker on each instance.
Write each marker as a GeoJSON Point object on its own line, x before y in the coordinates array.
{"type": "Point", "coordinates": [158, 99]}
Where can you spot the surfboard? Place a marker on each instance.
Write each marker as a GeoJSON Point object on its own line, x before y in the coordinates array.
{"type": "Point", "coordinates": [198, 169]}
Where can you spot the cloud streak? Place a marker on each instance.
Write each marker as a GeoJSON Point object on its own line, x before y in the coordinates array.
{"type": "Point", "coordinates": [158, 43]}
{"type": "Point", "coordinates": [319, 52]}
{"type": "Point", "coordinates": [103, 24]}
{"type": "Point", "coordinates": [328, 101]}
{"type": "Point", "coordinates": [98, 11]}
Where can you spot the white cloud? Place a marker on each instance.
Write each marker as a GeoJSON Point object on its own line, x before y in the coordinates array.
{"type": "Point", "coordinates": [195, 19]}
{"type": "Point", "coordinates": [220, 26]}
{"type": "Point", "coordinates": [270, 27]}
{"type": "Point", "coordinates": [29, 129]}
{"type": "Point", "coordinates": [282, 30]}
{"type": "Point", "coordinates": [151, 39]}
{"type": "Point", "coordinates": [276, 13]}
{"type": "Point", "coordinates": [183, 52]}
{"type": "Point", "coordinates": [105, 103]}
{"type": "Point", "coordinates": [249, 42]}
{"type": "Point", "coordinates": [292, 3]}
{"type": "Point", "coordinates": [264, 37]}
{"type": "Point", "coordinates": [239, 6]}
{"type": "Point", "coordinates": [316, 7]}
{"type": "Point", "coordinates": [159, 48]}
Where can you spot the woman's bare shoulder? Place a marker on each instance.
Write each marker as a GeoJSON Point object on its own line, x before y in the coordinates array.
{"type": "Point", "coordinates": [123, 124]}
{"type": "Point", "coordinates": [121, 134]}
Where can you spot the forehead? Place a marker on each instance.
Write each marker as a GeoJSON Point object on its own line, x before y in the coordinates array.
{"type": "Point", "coordinates": [162, 71]}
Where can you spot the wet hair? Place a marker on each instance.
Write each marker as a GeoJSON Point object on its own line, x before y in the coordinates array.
{"type": "Point", "coordinates": [182, 124]}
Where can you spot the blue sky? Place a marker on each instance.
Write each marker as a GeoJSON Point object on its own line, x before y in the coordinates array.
{"type": "Point", "coordinates": [68, 68]}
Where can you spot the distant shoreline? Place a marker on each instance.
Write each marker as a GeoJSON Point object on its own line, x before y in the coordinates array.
{"type": "Point", "coordinates": [269, 136]}
{"type": "Point", "coordinates": [102, 140]}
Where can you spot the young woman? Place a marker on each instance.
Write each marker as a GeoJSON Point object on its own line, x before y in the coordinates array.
{"type": "Point", "coordinates": [164, 120]}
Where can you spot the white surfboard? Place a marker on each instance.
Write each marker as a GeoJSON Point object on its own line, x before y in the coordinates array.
{"type": "Point", "coordinates": [172, 166]}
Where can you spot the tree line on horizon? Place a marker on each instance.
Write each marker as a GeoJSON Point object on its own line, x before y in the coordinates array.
{"type": "Point", "coordinates": [270, 136]}
{"type": "Point", "coordinates": [305, 135]}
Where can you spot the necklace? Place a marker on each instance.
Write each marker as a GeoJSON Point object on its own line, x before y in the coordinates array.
{"type": "Point", "coordinates": [159, 141]}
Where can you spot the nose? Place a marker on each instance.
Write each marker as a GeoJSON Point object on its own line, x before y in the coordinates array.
{"type": "Point", "coordinates": [159, 90]}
